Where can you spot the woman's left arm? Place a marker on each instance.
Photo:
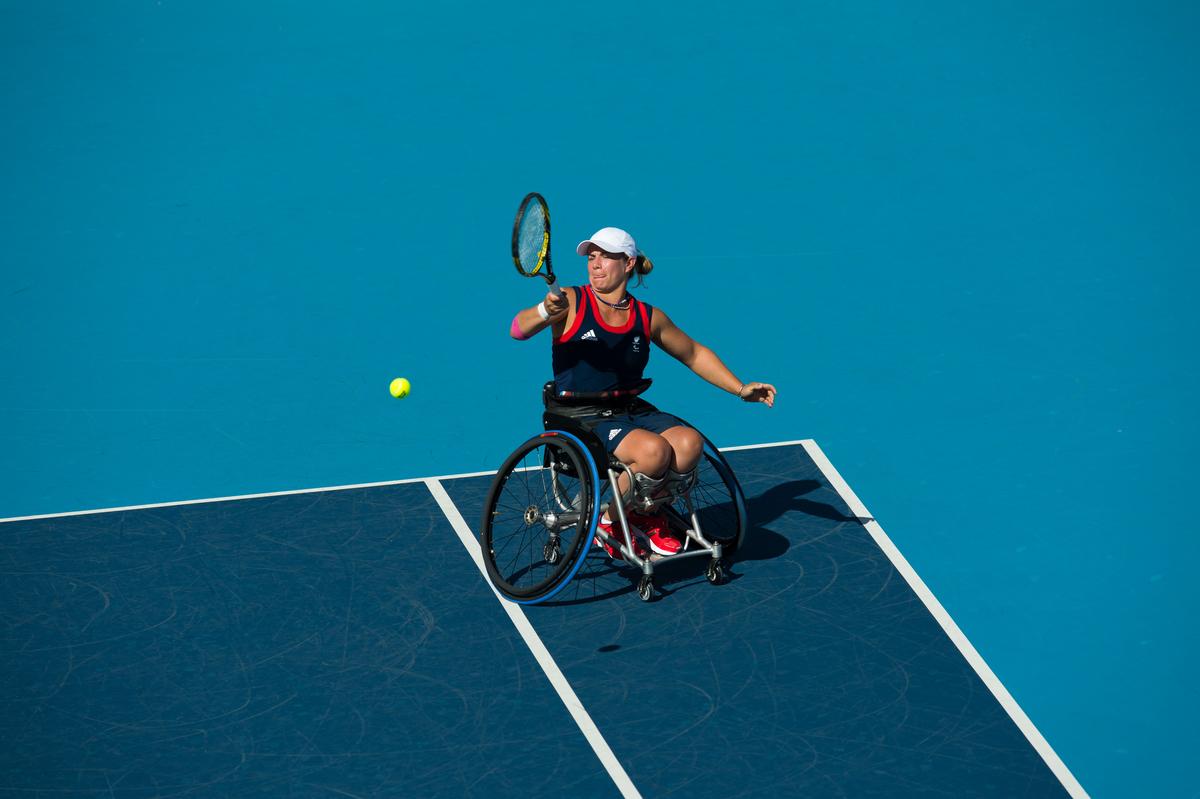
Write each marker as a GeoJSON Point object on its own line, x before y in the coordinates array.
{"type": "Point", "coordinates": [704, 362]}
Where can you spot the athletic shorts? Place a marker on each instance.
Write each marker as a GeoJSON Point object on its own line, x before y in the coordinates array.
{"type": "Point", "coordinates": [611, 425]}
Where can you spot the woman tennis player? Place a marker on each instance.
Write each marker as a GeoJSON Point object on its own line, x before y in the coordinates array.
{"type": "Point", "coordinates": [602, 336]}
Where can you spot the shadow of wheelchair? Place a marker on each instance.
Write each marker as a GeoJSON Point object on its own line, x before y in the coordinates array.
{"type": "Point", "coordinates": [601, 578]}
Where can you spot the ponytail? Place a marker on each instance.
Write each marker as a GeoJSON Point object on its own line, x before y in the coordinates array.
{"type": "Point", "coordinates": [642, 266]}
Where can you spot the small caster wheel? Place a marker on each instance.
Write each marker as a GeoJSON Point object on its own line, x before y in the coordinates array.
{"type": "Point", "coordinates": [551, 553]}
{"type": "Point", "coordinates": [646, 588]}
{"type": "Point", "coordinates": [715, 572]}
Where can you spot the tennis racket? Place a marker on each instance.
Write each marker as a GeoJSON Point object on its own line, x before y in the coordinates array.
{"type": "Point", "coordinates": [531, 240]}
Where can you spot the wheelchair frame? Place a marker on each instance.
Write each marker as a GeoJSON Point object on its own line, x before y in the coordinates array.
{"type": "Point", "coordinates": [569, 457]}
{"type": "Point", "coordinates": [715, 572]}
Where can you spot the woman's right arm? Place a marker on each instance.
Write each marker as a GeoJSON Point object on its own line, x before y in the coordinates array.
{"type": "Point", "coordinates": [529, 322]}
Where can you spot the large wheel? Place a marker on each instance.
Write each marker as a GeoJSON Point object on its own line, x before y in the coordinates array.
{"type": "Point", "coordinates": [539, 517]}
{"type": "Point", "coordinates": [718, 500]}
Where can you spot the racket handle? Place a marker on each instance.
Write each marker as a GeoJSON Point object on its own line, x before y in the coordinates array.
{"type": "Point", "coordinates": [557, 289]}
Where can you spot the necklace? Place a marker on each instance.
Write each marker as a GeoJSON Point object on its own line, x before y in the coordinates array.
{"type": "Point", "coordinates": [620, 304]}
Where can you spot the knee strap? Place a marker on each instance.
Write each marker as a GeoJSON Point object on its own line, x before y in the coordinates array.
{"type": "Point", "coordinates": [680, 483]}
{"type": "Point", "coordinates": [642, 488]}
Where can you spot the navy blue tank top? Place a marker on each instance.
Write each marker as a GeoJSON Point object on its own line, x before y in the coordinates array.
{"type": "Point", "coordinates": [592, 356]}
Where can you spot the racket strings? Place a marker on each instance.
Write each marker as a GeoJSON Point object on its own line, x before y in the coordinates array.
{"type": "Point", "coordinates": [532, 239]}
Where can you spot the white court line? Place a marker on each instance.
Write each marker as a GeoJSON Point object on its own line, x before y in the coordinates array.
{"type": "Point", "coordinates": [534, 642]}
{"type": "Point", "coordinates": [294, 491]}
{"type": "Point", "coordinates": [798, 442]}
{"type": "Point", "coordinates": [288, 493]}
{"type": "Point", "coordinates": [1035, 738]}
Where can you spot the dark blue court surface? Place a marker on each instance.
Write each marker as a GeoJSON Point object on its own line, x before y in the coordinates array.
{"type": "Point", "coordinates": [344, 643]}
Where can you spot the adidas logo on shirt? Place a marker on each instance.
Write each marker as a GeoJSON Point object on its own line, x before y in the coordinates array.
{"type": "Point", "coordinates": [614, 433]}
{"type": "Point", "coordinates": [589, 336]}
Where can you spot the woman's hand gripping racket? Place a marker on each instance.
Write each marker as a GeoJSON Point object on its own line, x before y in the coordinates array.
{"type": "Point", "coordinates": [531, 241]}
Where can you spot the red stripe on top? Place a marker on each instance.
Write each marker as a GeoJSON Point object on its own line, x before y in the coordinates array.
{"type": "Point", "coordinates": [600, 319]}
{"type": "Point", "coordinates": [645, 318]}
{"type": "Point", "coordinates": [566, 336]}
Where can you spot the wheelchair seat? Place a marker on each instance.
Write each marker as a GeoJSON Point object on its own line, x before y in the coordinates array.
{"type": "Point", "coordinates": [572, 425]}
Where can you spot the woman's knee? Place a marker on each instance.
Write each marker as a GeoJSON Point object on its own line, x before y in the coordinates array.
{"type": "Point", "coordinates": [687, 445]}
{"type": "Point", "coordinates": [648, 453]}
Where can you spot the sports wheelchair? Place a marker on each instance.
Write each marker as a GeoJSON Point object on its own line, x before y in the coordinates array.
{"type": "Point", "coordinates": [542, 510]}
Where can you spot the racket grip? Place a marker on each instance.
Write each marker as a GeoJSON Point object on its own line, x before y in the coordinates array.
{"type": "Point", "coordinates": [557, 289]}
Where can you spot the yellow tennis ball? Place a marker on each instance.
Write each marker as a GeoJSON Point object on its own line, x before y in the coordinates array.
{"type": "Point", "coordinates": [400, 388]}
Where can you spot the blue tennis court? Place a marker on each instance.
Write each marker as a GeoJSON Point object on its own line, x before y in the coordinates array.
{"type": "Point", "coordinates": [344, 642]}
{"type": "Point", "coordinates": [960, 240]}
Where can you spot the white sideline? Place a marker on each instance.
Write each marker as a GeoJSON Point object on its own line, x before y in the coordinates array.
{"type": "Point", "coordinates": [534, 642]}
{"type": "Point", "coordinates": [976, 661]}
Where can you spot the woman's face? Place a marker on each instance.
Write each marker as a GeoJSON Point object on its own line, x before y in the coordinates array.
{"type": "Point", "coordinates": [607, 271]}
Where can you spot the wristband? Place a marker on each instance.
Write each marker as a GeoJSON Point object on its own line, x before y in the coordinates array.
{"type": "Point", "coordinates": [542, 312]}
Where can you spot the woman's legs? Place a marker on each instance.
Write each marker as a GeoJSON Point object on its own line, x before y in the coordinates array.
{"type": "Point", "coordinates": [677, 448]}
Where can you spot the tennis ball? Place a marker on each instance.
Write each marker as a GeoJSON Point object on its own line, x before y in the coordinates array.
{"type": "Point", "coordinates": [400, 388]}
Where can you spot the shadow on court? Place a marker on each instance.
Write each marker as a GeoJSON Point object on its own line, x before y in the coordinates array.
{"type": "Point", "coordinates": [601, 579]}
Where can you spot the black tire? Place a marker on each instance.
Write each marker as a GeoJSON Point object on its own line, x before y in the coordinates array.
{"type": "Point", "coordinates": [715, 573]}
{"type": "Point", "coordinates": [645, 588]}
{"type": "Point", "coordinates": [550, 481]}
{"type": "Point", "coordinates": [719, 503]}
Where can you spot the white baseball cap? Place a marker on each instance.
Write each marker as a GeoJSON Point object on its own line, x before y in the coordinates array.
{"type": "Point", "coordinates": [610, 239]}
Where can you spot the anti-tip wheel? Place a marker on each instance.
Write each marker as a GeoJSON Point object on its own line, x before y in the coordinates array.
{"type": "Point", "coordinates": [715, 572]}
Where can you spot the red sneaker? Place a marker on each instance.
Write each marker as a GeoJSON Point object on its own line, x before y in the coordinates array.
{"type": "Point", "coordinates": [607, 528]}
{"type": "Point", "coordinates": [659, 535]}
